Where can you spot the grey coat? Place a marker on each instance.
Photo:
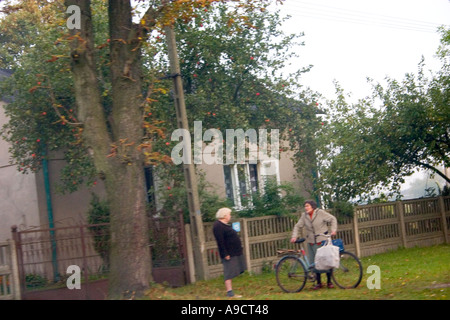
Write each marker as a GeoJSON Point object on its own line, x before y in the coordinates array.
{"type": "Point", "coordinates": [319, 223]}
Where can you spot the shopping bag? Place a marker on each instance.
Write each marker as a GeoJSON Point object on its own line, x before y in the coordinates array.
{"type": "Point", "coordinates": [337, 242]}
{"type": "Point", "coordinates": [327, 257]}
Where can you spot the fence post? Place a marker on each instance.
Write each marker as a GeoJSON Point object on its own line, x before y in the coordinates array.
{"type": "Point", "coordinates": [14, 270]}
{"type": "Point", "coordinates": [443, 218]}
{"type": "Point", "coordinates": [401, 217]}
{"type": "Point", "coordinates": [245, 240]}
{"type": "Point", "coordinates": [183, 242]}
{"type": "Point", "coordinates": [85, 268]}
{"type": "Point", "coordinates": [356, 233]}
{"type": "Point", "coordinates": [19, 262]}
{"type": "Point", "coordinates": [190, 253]}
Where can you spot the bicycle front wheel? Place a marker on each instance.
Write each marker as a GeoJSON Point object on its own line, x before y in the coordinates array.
{"type": "Point", "coordinates": [291, 274]}
{"type": "Point", "coordinates": [349, 273]}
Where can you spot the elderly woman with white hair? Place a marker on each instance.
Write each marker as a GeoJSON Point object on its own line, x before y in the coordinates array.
{"type": "Point", "coordinates": [230, 248]}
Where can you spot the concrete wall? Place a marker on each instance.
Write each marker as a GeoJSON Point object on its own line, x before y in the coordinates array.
{"type": "Point", "coordinates": [18, 196]}
{"type": "Point", "coordinates": [23, 200]}
{"type": "Point", "coordinates": [288, 173]}
{"type": "Point", "coordinates": [68, 209]}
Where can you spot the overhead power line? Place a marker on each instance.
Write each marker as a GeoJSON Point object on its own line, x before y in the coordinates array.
{"type": "Point", "coordinates": [320, 11]}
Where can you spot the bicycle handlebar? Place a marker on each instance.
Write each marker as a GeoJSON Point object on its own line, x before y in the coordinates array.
{"type": "Point", "coordinates": [323, 235]}
{"type": "Point", "coordinates": [300, 240]}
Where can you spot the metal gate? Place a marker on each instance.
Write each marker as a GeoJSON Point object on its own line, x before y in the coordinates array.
{"type": "Point", "coordinates": [44, 256]}
{"type": "Point", "coordinates": [169, 250]}
{"type": "Point", "coordinates": [9, 284]}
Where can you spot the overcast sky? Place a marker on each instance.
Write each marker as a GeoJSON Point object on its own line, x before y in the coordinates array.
{"type": "Point", "coordinates": [350, 40]}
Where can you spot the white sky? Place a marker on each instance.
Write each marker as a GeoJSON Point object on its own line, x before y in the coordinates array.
{"type": "Point", "coordinates": [350, 40]}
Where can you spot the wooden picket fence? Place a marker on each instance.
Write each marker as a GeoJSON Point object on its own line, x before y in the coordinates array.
{"type": "Point", "coordinates": [9, 273]}
{"type": "Point", "coordinates": [379, 228]}
{"type": "Point", "coordinates": [374, 229]}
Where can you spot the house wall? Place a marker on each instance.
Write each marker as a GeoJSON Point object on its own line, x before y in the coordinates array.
{"type": "Point", "coordinates": [18, 195]}
{"type": "Point", "coordinates": [214, 175]}
{"type": "Point", "coordinates": [23, 199]}
{"type": "Point", "coordinates": [288, 173]}
{"type": "Point", "coordinates": [68, 209]}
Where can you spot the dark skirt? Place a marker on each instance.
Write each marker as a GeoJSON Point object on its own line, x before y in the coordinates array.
{"type": "Point", "coordinates": [233, 267]}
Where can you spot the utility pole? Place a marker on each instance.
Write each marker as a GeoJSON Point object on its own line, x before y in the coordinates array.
{"type": "Point", "coordinates": [197, 231]}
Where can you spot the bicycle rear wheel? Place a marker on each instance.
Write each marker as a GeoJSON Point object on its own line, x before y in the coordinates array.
{"type": "Point", "coordinates": [349, 273]}
{"type": "Point", "coordinates": [291, 274]}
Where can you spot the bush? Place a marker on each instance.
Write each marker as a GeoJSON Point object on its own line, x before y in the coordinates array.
{"type": "Point", "coordinates": [277, 199]}
{"type": "Point", "coordinates": [342, 210]}
{"type": "Point", "coordinates": [99, 214]}
{"type": "Point", "coordinates": [35, 281]}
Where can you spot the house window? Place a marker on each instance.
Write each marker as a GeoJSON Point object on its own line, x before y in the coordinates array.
{"type": "Point", "coordinates": [149, 184]}
{"type": "Point", "coordinates": [243, 180]}
{"type": "Point", "coordinates": [229, 190]}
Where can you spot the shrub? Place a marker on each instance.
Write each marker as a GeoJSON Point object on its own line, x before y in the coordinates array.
{"type": "Point", "coordinates": [276, 199]}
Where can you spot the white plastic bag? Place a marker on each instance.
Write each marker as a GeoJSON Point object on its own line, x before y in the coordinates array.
{"type": "Point", "coordinates": [327, 257]}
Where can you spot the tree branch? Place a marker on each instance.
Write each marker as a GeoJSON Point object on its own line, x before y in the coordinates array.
{"type": "Point", "coordinates": [427, 166]}
{"type": "Point", "coordinates": [148, 21]}
{"type": "Point", "coordinates": [87, 93]}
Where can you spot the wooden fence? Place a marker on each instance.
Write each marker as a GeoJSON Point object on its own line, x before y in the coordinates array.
{"type": "Point", "coordinates": [9, 273]}
{"type": "Point", "coordinates": [380, 227]}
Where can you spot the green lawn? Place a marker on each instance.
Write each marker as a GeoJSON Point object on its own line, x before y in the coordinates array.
{"type": "Point", "coordinates": [408, 274]}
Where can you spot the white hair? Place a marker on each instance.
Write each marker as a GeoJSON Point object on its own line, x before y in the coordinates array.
{"type": "Point", "coordinates": [222, 212]}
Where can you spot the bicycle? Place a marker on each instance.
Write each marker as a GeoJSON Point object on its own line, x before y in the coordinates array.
{"type": "Point", "coordinates": [294, 269]}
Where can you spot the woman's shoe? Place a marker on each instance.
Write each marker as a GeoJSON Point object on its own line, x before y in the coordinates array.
{"type": "Point", "coordinates": [318, 286]}
{"type": "Point", "coordinates": [230, 294]}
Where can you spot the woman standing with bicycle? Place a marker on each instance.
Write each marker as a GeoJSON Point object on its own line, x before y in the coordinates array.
{"type": "Point", "coordinates": [315, 221]}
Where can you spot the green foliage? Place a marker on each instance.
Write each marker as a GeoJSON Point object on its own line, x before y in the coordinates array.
{"type": "Point", "coordinates": [233, 70]}
{"type": "Point", "coordinates": [98, 218]}
{"type": "Point", "coordinates": [99, 210]}
{"type": "Point", "coordinates": [406, 274]}
{"type": "Point", "coordinates": [445, 191]}
{"type": "Point", "coordinates": [234, 73]}
{"type": "Point", "coordinates": [342, 210]}
{"type": "Point", "coordinates": [42, 114]}
{"type": "Point", "coordinates": [210, 203]}
{"type": "Point", "coordinates": [279, 200]}
{"type": "Point", "coordinates": [171, 194]}
{"type": "Point", "coordinates": [370, 146]}
{"type": "Point", "coordinates": [35, 281]}
{"type": "Point", "coordinates": [233, 76]}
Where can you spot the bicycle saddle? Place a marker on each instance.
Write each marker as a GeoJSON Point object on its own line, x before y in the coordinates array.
{"type": "Point", "coordinates": [300, 240]}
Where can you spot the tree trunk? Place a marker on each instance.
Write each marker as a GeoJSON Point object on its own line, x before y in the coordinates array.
{"type": "Point", "coordinates": [129, 222]}
{"type": "Point", "coordinates": [130, 268]}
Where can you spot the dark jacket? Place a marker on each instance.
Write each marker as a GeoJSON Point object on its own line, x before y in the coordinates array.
{"type": "Point", "coordinates": [227, 239]}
